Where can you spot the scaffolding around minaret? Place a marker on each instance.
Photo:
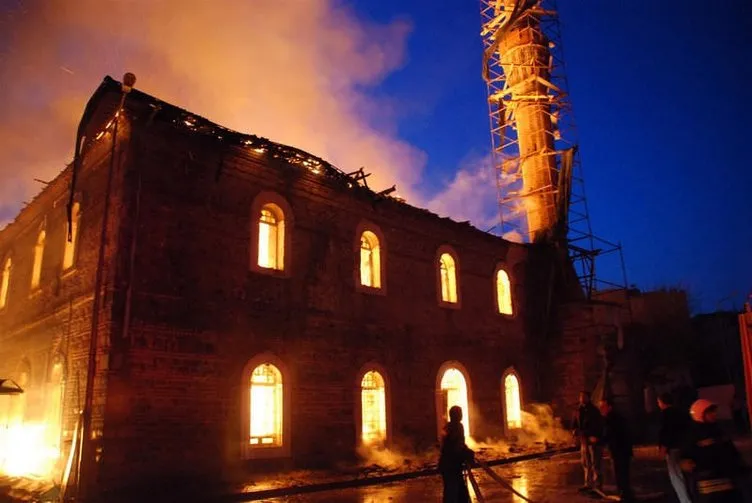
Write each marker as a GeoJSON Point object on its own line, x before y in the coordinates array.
{"type": "Point", "coordinates": [541, 193]}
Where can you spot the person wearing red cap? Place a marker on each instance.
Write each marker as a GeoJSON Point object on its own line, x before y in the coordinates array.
{"type": "Point", "coordinates": [711, 457]}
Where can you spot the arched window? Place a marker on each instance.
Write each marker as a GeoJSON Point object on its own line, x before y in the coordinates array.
{"type": "Point", "coordinates": [503, 292]}
{"type": "Point", "coordinates": [36, 271]}
{"type": "Point", "coordinates": [453, 391]}
{"type": "Point", "coordinates": [5, 283]}
{"type": "Point", "coordinates": [448, 278]}
{"type": "Point", "coordinates": [69, 254]}
{"type": "Point", "coordinates": [54, 411]}
{"type": "Point", "coordinates": [512, 401]}
{"type": "Point", "coordinates": [373, 407]}
{"type": "Point", "coordinates": [271, 237]}
{"type": "Point", "coordinates": [266, 402]}
{"type": "Point", "coordinates": [370, 260]}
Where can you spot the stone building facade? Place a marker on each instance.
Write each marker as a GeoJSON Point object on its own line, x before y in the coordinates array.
{"type": "Point", "coordinates": [253, 306]}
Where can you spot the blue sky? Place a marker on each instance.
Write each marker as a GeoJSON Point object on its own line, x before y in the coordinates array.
{"type": "Point", "coordinates": [660, 98]}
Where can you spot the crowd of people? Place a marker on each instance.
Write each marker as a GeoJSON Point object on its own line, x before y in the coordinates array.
{"type": "Point", "coordinates": [703, 464]}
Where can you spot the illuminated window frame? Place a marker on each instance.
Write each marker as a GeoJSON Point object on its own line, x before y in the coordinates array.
{"type": "Point", "coordinates": [247, 450]}
{"type": "Point", "coordinates": [372, 367]}
{"type": "Point", "coordinates": [38, 259]}
{"type": "Point", "coordinates": [467, 415]}
{"type": "Point", "coordinates": [5, 277]}
{"type": "Point", "coordinates": [502, 274]}
{"type": "Point", "coordinates": [507, 373]}
{"type": "Point", "coordinates": [285, 222]}
{"type": "Point", "coordinates": [70, 248]}
{"type": "Point", "coordinates": [367, 229]}
{"type": "Point", "coordinates": [455, 303]}
{"type": "Point", "coordinates": [55, 399]}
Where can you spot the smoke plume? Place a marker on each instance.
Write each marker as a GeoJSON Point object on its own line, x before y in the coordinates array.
{"type": "Point", "coordinates": [300, 72]}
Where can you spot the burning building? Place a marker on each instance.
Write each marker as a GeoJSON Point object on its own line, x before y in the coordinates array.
{"type": "Point", "coordinates": [188, 301]}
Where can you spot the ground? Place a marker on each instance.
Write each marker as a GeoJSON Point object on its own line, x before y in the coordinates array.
{"type": "Point", "coordinates": [549, 480]}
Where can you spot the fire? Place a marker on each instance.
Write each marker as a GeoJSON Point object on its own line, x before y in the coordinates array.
{"type": "Point", "coordinates": [28, 449]}
{"type": "Point", "coordinates": [455, 389]}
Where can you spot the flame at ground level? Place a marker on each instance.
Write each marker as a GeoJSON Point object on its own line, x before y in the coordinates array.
{"type": "Point", "coordinates": [27, 449]}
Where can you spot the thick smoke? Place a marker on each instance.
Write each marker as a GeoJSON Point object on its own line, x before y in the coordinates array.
{"type": "Point", "coordinates": [300, 72]}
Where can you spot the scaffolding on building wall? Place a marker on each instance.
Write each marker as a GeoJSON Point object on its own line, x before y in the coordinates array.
{"type": "Point", "coordinates": [541, 189]}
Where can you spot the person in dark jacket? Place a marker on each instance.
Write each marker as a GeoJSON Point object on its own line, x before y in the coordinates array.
{"type": "Point", "coordinates": [455, 455]}
{"type": "Point", "coordinates": [674, 424]}
{"type": "Point", "coordinates": [616, 436]}
{"type": "Point", "coordinates": [588, 427]}
{"type": "Point", "coordinates": [711, 457]}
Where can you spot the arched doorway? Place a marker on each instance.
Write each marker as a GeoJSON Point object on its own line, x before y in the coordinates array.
{"type": "Point", "coordinates": [512, 401]}
{"type": "Point", "coordinates": [373, 409]}
{"type": "Point", "coordinates": [453, 390]}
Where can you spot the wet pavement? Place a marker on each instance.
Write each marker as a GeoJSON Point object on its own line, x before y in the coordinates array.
{"type": "Point", "coordinates": [550, 480]}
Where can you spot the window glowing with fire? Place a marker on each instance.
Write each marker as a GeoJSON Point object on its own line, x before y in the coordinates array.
{"type": "Point", "coordinates": [266, 406]}
{"type": "Point", "coordinates": [454, 392]}
{"type": "Point", "coordinates": [370, 260]}
{"type": "Point", "coordinates": [36, 270]}
{"type": "Point", "coordinates": [373, 403]}
{"type": "Point", "coordinates": [69, 254]}
{"type": "Point", "coordinates": [271, 238]}
{"type": "Point", "coordinates": [448, 278]}
{"type": "Point", "coordinates": [512, 397]}
{"type": "Point", "coordinates": [5, 283]}
{"type": "Point", "coordinates": [503, 292]}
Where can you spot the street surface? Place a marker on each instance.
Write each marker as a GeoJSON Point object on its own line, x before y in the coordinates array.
{"type": "Point", "coordinates": [552, 480]}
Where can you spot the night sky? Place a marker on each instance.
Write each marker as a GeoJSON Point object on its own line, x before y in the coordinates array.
{"type": "Point", "coordinates": [660, 90]}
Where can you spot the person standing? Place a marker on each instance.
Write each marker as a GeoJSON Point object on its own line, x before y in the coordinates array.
{"type": "Point", "coordinates": [455, 455]}
{"type": "Point", "coordinates": [712, 458]}
{"type": "Point", "coordinates": [616, 436]}
{"type": "Point", "coordinates": [674, 424]}
{"type": "Point", "coordinates": [588, 428]}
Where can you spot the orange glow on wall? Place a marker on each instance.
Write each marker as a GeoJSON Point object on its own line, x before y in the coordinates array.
{"type": "Point", "coordinates": [5, 283]}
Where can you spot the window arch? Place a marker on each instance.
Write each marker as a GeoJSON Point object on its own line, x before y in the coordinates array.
{"type": "Point", "coordinates": [265, 408]}
{"type": "Point", "coordinates": [69, 253]}
{"type": "Point", "coordinates": [271, 237]}
{"type": "Point", "coordinates": [36, 270]}
{"type": "Point", "coordinates": [370, 266]}
{"type": "Point", "coordinates": [373, 429]}
{"type": "Point", "coordinates": [54, 406]}
{"type": "Point", "coordinates": [503, 292]}
{"type": "Point", "coordinates": [5, 282]}
{"type": "Point", "coordinates": [271, 219]}
{"type": "Point", "coordinates": [453, 388]}
{"type": "Point", "coordinates": [512, 400]}
{"type": "Point", "coordinates": [447, 274]}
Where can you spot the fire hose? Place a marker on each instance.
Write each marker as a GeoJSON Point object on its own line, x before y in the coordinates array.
{"type": "Point", "coordinates": [496, 478]}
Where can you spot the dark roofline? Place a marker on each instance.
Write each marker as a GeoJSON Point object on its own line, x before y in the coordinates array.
{"type": "Point", "coordinates": [185, 120]}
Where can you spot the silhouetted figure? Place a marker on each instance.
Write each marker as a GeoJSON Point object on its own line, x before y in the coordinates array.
{"type": "Point", "coordinates": [712, 458]}
{"type": "Point", "coordinates": [616, 436]}
{"type": "Point", "coordinates": [588, 427]}
{"type": "Point", "coordinates": [674, 424]}
{"type": "Point", "coordinates": [455, 455]}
